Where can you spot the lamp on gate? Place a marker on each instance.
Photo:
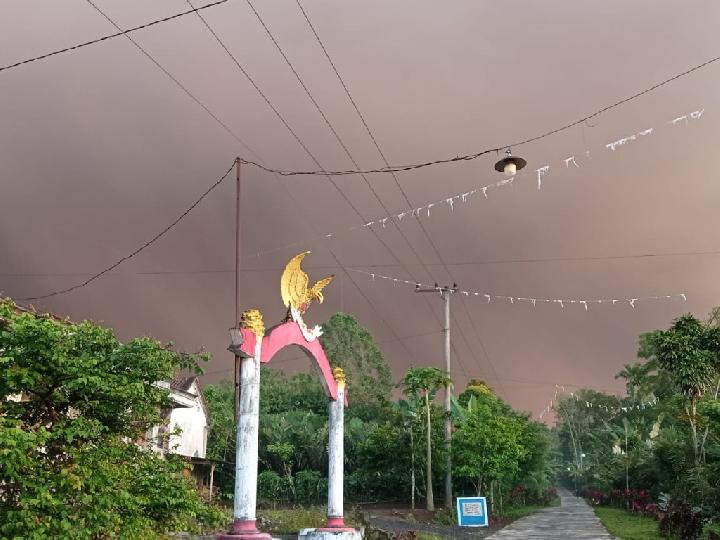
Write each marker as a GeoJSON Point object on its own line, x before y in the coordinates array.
{"type": "Point", "coordinates": [236, 341]}
{"type": "Point", "coordinates": [510, 164]}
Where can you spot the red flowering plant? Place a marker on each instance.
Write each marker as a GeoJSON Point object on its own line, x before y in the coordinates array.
{"type": "Point", "coordinates": [518, 494]}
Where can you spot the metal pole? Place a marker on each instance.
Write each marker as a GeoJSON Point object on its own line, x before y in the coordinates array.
{"type": "Point", "coordinates": [237, 284]}
{"type": "Point", "coordinates": [448, 421]}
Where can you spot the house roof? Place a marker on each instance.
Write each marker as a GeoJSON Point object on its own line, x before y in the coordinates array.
{"type": "Point", "coordinates": [183, 383]}
{"type": "Point", "coordinates": [31, 309]}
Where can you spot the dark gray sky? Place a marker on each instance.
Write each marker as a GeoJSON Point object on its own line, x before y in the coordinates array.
{"type": "Point", "coordinates": [99, 150]}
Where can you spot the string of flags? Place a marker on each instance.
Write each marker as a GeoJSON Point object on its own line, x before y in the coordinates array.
{"type": "Point", "coordinates": [465, 197]}
{"type": "Point", "coordinates": [562, 302]}
{"type": "Point", "coordinates": [549, 407]}
{"type": "Point", "coordinates": [590, 405]}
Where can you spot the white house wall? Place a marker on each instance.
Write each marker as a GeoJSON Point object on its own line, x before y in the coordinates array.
{"type": "Point", "coordinates": [193, 438]}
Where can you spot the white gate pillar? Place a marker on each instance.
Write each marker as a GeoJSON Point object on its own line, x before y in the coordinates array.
{"type": "Point", "coordinates": [336, 528]}
{"type": "Point", "coordinates": [246, 452]}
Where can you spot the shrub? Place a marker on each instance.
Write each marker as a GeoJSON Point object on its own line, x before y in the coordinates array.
{"type": "Point", "coordinates": [310, 487]}
{"type": "Point", "coordinates": [681, 520]}
{"type": "Point", "coordinates": [67, 470]}
{"type": "Point", "coordinates": [711, 531]}
{"type": "Point", "coordinates": [518, 495]}
{"type": "Point", "coordinates": [272, 487]}
{"type": "Point", "coordinates": [549, 495]}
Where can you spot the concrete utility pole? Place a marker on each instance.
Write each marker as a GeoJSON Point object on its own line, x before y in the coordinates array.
{"type": "Point", "coordinates": [445, 293]}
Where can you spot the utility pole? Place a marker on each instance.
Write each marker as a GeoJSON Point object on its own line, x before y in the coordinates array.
{"type": "Point", "coordinates": [237, 283]}
{"type": "Point", "coordinates": [445, 293]}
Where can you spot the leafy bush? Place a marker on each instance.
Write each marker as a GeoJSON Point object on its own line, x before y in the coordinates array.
{"type": "Point", "coordinates": [549, 495]}
{"type": "Point", "coordinates": [310, 487]}
{"type": "Point", "coordinates": [711, 531]}
{"type": "Point", "coordinates": [682, 521]}
{"type": "Point", "coordinates": [272, 487]}
{"type": "Point", "coordinates": [67, 470]}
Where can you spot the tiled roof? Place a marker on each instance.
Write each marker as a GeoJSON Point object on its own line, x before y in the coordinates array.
{"type": "Point", "coordinates": [182, 383]}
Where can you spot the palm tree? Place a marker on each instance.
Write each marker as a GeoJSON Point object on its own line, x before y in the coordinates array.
{"type": "Point", "coordinates": [408, 411]}
{"type": "Point", "coordinates": [426, 381]}
{"type": "Point", "coordinates": [689, 351]}
{"type": "Point", "coordinates": [637, 376]}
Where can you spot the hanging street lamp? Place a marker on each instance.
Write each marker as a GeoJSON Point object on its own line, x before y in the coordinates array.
{"type": "Point", "coordinates": [236, 341]}
{"type": "Point", "coordinates": [510, 164]}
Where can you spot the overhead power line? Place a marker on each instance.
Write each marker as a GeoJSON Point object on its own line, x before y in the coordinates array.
{"type": "Point", "coordinates": [342, 144]}
{"type": "Point", "coordinates": [307, 151]}
{"type": "Point", "coordinates": [404, 194]}
{"type": "Point", "coordinates": [141, 248]}
{"type": "Point", "coordinates": [470, 157]}
{"type": "Point", "coordinates": [111, 36]}
{"type": "Point", "coordinates": [386, 265]}
{"type": "Point", "coordinates": [172, 77]}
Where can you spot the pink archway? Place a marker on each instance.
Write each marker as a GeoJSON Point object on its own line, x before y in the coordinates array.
{"type": "Point", "coordinates": [284, 335]}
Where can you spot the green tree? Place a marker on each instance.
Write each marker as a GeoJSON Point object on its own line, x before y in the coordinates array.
{"type": "Point", "coordinates": [71, 397]}
{"type": "Point", "coordinates": [426, 381]}
{"type": "Point", "coordinates": [689, 352]}
{"type": "Point", "coordinates": [293, 414]}
{"type": "Point", "coordinates": [350, 346]}
{"type": "Point", "coordinates": [221, 433]}
{"type": "Point", "coordinates": [487, 446]}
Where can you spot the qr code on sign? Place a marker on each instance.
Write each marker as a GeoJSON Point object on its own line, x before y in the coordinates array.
{"type": "Point", "coordinates": [472, 509]}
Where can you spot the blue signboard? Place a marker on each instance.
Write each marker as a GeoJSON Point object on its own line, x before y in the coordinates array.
{"type": "Point", "coordinates": [472, 512]}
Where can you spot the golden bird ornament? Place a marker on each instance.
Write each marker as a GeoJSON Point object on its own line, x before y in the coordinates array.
{"type": "Point", "coordinates": [296, 294]}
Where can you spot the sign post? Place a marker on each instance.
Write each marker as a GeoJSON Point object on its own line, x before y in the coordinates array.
{"type": "Point", "coordinates": [472, 512]}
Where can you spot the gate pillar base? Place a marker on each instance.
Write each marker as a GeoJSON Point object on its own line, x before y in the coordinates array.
{"type": "Point", "coordinates": [334, 533]}
{"type": "Point", "coordinates": [243, 530]}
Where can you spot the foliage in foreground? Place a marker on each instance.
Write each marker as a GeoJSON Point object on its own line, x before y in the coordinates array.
{"type": "Point", "coordinates": [67, 468]}
{"type": "Point", "coordinates": [655, 452]}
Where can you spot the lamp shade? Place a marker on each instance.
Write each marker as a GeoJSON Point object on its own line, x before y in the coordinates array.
{"type": "Point", "coordinates": [510, 164]}
{"type": "Point", "coordinates": [236, 340]}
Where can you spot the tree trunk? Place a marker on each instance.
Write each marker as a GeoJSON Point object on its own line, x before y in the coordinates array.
{"type": "Point", "coordinates": [492, 495]}
{"type": "Point", "coordinates": [627, 465]}
{"type": "Point", "coordinates": [412, 469]}
{"type": "Point", "coordinates": [705, 434]}
{"type": "Point", "coordinates": [430, 502]}
{"type": "Point", "coordinates": [693, 427]}
{"type": "Point", "coordinates": [479, 486]}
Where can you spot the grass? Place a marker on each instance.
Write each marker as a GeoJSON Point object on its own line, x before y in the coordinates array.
{"type": "Point", "coordinates": [627, 526]}
{"type": "Point", "coordinates": [291, 520]}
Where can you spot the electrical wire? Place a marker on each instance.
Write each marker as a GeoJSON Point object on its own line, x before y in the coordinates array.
{"type": "Point", "coordinates": [296, 137]}
{"type": "Point", "coordinates": [470, 157]}
{"type": "Point", "coordinates": [141, 248]}
{"type": "Point", "coordinates": [172, 77]}
{"type": "Point", "coordinates": [180, 85]}
{"type": "Point", "coordinates": [350, 157]}
{"type": "Point", "coordinates": [110, 36]}
{"type": "Point", "coordinates": [402, 191]}
{"type": "Point", "coordinates": [388, 265]}
{"type": "Point", "coordinates": [309, 153]}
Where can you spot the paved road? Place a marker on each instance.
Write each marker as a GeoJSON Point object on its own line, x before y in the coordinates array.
{"type": "Point", "coordinates": [572, 519]}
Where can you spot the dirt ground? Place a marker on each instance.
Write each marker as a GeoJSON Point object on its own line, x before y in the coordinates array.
{"type": "Point", "coordinates": [397, 520]}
